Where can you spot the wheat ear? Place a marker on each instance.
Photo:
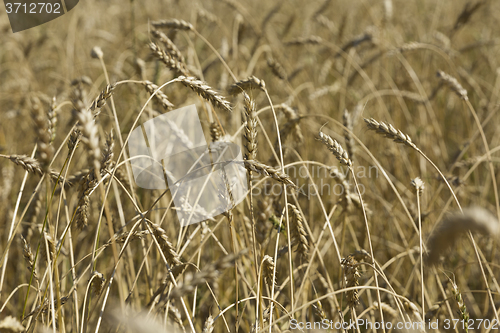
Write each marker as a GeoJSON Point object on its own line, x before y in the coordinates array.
{"type": "Point", "coordinates": [299, 234]}
{"type": "Point", "coordinates": [351, 275]}
{"type": "Point", "coordinates": [43, 131]}
{"type": "Point", "coordinates": [169, 45]}
{"type": "Point", "coordinates": [292, 124]}
{"type": "Point", "coordinates": [52, 118]}
{"type": "Point", "coordinates": [83, 207]}
{"type": "Point", "coordinates": [390, 132]}
{"type": "Point", "coordinates": [348, 139]}
{"type": "Point", "coordinates": [173, 24]}
{"type": "Point", "coordinates": [474, 219]}
{"type": "Point", "coordinates": [100, 101]}
{"type": "Point", "coordinates": [88, 129]}
{"type": "Point", "coordinates": [268, 268]}
{"type": "Point", "coordinates": [107, 154]}
{"type": "Point", "coordinates": [335, 148]}
{"type": "Point", "coordinates": [207, 16]}
{"type": "Point", "coordinates": [11, 324]}
{"type": "Point", "coordinates": [29, 257]}
{"type": "Point", "coordinates": [165, 245]}
{"type": "Point", "coordinates": [310, 40]}
{"type": "Point", "coordinates": [462, 309]}
{"type": "Point", "coordinates": [398, 136]}
{"type": "Point", "coordinates": [205, 91]}
{"type": "Point", "coordinates": [250, 127]}
{"type": "Point", "coordinates": [247, 84]}
{"type": "Point", "coordinates": [277, 69]}
{"type": "Point", "coordinates": [209, 325]}
{"type": "Point", "coordinates": [97, 282]}
{"type": "Point", "coordinates": [269, 171]}
{"type": "Point", "coordinates": [27, 163]}
{"type": "Point", "coordinates": [159, 96]}
{"type": "Point", "coordinates": [45, 306]}
{"type": "Point", "coordinates": [207, 274]}
{"type": "Point", "coordinates": [175, 314]}
{"type": "Point", "coordinates": [32, 165]}
{"type": "Point", "coordinates": [215, 132]}
{"type": "Point", "coordinates": [386, 308]}
{"type": "Point", "coordinates": [169, 61]}
{"type": "Point", "coordinates": [453, 84]}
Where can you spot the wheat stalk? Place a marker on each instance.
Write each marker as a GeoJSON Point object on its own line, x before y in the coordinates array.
{"type": "Point", "coordinates": [419, 187]}
{"type": "Point", "coordinates": [51, 246]}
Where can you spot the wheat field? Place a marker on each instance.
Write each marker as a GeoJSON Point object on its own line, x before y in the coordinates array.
{"type": "Point", "coordinates": [370, 137]}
